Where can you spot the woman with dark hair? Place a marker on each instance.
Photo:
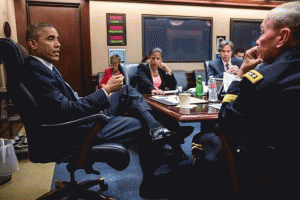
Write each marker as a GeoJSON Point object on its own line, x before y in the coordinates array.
{"type": "Point", "coordinates": [113, 69]}
{"type": "Point", "coordinates": [146, 59]}
{"type": "Point", "coordinates": [156, 76]}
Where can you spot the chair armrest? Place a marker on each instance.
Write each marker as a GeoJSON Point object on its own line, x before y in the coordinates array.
{"type": "Point", "coordinates": [78, 122]}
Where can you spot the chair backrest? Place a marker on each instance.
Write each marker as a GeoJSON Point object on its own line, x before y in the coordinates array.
{"type": "Point", "coordinates": [206, 63]}
{"type": "Point", "coordinates": [181, 78]}
{"type": "Point", "coordinates": [200, 72]}
{"type": "Point", "coordinates": [13, 55]}
{"type": "Point", "coordinates": [129, 72]}
{"type": "Point", "coordinates": [99, 76]}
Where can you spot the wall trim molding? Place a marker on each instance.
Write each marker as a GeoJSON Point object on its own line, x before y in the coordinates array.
{"type": "Point", "coordinates": [252, 4]}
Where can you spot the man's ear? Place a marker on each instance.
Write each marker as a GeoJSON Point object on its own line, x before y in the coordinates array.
{"type": "Point", "coordinates": [32, 44]}
{"type": "Point", "coordinates": [284, 36]}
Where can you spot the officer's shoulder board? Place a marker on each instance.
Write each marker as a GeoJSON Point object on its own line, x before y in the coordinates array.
{"type": "Point", "coordinates": [253, 76]}
{"type": "Point", "coordinates": [228, 98]}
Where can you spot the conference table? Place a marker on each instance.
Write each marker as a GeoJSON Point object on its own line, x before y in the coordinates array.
{"type": "Point", "coordinates": [202, 112]}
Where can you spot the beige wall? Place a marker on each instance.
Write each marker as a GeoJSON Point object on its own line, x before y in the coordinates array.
{"type": "Point", "coordinates": [98, 9]}
{"type": "Point", "coordinates": [7, 14]}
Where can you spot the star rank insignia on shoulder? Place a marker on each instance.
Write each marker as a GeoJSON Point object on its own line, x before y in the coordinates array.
{"type": "Point", "coordinates": [253, 76]}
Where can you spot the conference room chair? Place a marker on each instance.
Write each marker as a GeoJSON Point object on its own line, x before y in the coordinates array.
{"type": "Point", "coordinates": [129, 72]}
{"type": "Point", "coordinates": [206, 63]}
{"type": "Point", "coordinates": [99, 76]}
{"type": "Point", "coordinates": [201, 72]}
{"type": "Point", "coordinates": [181, 78]}
{"type": "Point", "coordinates": [51, 142]}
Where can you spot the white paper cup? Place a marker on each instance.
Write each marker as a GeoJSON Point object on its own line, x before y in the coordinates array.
{"type": "Point", "coordinates": [184, 100]}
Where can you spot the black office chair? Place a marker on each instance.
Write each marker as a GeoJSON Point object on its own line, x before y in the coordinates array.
{"type": "Point", "coordinates": [129, 72]}
{"type": "Point", "coordinates": [52, 142]}
{"type": "Point", "coordinates": [181, 78]}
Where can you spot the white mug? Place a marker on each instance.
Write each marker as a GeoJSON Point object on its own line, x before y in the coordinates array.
{"type": "Point", "coordinates": [184, 100]}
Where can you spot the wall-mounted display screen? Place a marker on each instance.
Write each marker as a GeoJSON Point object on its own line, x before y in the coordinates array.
{"type": "Point", "coordinates": [116, 29]}
{"type": "Point", "coordinates": [244, 33]}
{"type": "Point", "coordinates": [182, 39]}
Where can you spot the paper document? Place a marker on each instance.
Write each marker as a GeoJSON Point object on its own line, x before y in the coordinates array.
{"type": "Point", "coordinates": [175, 99]}
{"type": "Point", "coordinates": [170, 91]}
{"type": "Point", "coordinates": [227, 79]}
{"type": "Point", "coordinates": [217, 106]}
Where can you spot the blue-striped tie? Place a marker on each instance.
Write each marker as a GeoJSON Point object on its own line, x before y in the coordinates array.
{"type": "Point", "coordinates": [57, 73]}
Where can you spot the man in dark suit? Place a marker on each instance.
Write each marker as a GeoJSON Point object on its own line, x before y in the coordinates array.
{"type": "Point", "coordinates": [59, 103]}
{"type": "Point", "coordinates": [225, 63]}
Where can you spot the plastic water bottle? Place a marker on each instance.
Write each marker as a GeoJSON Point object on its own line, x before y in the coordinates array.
{"type": "Point", "coordinates": [199, 87]}
{"type": "Point", "coordinates": [212, 89]}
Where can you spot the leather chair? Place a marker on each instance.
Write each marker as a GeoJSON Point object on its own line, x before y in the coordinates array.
{"type": "Point", "coordinates": [46, 142]}
{"type": "Point", "coordinates": [206, 63]}
{"type": "Point", "coordinates": [201, 72]}
{"type": "Point", "coordinates": [181, 78]}
{"type": "Point", "coordinates": [129, 72]}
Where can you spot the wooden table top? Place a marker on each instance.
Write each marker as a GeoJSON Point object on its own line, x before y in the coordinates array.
{"type": "Point", "coordinates": [202, 112]}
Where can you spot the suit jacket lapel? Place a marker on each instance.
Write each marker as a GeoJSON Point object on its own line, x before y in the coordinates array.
{"type": "Point", "coordinates": [221, 66]}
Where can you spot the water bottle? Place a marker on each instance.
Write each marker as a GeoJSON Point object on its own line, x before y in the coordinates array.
{"type": "Point", "coordinates": [199, 87]}
{"type": "Point", "coordinates": [212, 89]}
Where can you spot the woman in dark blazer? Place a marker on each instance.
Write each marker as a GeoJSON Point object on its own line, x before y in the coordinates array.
{"type": "Point", "coordinates": [156, 76]}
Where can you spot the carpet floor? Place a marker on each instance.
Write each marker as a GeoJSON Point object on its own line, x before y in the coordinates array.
{"type": "Point", "coordinates": [125, 184]}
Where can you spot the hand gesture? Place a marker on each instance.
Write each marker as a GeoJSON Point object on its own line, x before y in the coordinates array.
{"type": "Point", "coordinates": [114, 83]}
{"type": "Point", "coordinates": [251, 60]}
{"type": "Point", "coordinates": [233, 69]}
{"type": "Point", "coordinates": [157, 92]}
{"type": "Point", "coordinates": [164, 67]}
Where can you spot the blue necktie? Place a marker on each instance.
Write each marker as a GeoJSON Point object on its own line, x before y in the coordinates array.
{"type": "Point", "coordinates": [57, 73]}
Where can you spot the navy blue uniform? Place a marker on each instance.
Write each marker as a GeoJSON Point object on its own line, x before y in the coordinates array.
{"type": "Point", "coordinates": [262, 112]}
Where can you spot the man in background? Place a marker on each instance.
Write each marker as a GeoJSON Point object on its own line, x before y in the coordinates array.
{"type": "Point", "coordinates": [239, 53]}
{"type": "Point", "coordinates": [225, 63]}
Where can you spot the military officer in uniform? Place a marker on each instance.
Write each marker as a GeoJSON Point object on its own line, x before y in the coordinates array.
{"type": "Point", "coordinates": [259, 111]}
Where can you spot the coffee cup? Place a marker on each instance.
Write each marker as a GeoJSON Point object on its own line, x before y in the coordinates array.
{"type": "Point", "coordinates": [184, 100]}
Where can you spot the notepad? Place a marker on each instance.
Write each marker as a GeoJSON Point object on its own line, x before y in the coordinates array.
{"type": "Point", "coordinates": [174, 100]}
{"type": "Point", "coordinates": [217, 105]}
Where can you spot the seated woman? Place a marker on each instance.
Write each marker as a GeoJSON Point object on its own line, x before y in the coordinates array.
{"type": "Point", "coordinates": [113, 69]}
{"type": "Point", "coordinates": [156, 76]}
{"type": "Point", "coordinates": [146, 59]}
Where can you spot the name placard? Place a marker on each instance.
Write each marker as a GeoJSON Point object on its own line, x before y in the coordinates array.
{"type": "Point", "coordinates": [116, 29]}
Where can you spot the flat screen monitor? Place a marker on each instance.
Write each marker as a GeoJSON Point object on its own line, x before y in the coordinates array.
{"type": "Point", "coordinates": [182, 39]}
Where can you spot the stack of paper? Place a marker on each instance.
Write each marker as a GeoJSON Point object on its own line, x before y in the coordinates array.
{"type": "Point", "coordinates": [227, 79]}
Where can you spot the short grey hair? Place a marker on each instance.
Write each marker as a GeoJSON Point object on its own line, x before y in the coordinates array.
{"type": "Point", "coordinates": [287, 15]}
{"type": "Point", "coordinates": [154, 50]}
{"type": "Point", "coordinates": [223, 43]}
{"type": "Point", "coordinates": [33, 30]}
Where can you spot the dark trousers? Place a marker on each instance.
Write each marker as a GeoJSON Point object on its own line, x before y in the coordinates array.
{"type": "Point", "coordinates": [123, 121]}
